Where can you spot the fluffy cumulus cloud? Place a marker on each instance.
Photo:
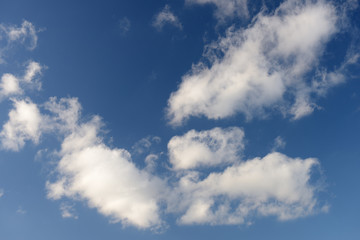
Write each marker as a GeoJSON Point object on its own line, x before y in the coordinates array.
{"type": "Point", "coordinates": [106, 178]}
{"type": "Point", "coordinates": [166, 17]}
{"type": "Point", "coordinates": [88, 169]}
{"type": "Point", "coordinates": [275, 185]}
{"type": "Point", "coordinates": [225, 8]}
{"type": "Point", "coordinates": [263, 67]}
{"type": "Point", "coordinates": [206, 148]}
{"type": "Point", "coordinates": [9, 85]}
{"type": "Point", "coordinates": [23, 125]}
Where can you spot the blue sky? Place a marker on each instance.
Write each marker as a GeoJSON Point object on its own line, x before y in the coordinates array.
{"type": "Point", "coordinates": [200, 119]}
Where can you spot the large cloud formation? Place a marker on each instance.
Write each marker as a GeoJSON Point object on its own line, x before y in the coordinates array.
{"type": "Point", "coordinates": [232, 192]}
{"type": "Point", "coordinates": [262, 67]}
{"type": "Point", "coordinates": [275, 185]}
{"type": "Point", "coordinates": [209, 181]}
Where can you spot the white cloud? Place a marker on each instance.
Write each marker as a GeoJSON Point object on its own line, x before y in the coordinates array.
{"type": "Point", "coordinates": [33, 69]}
{"type": "Point", "coordinates": [124, 25]}
{"type": "Point", "coordinates": [64, 114]}
{"type": "Point", "coordinates": [21, 210]}
{"type": "Point", "coordinates": [25, 34]}
{"type": "Point", "coordinates": [263, 67]}
{"type": "Point", "coordinates": [107, 179]}
{"type": "Point", "coordinates": [275, 185]}
{"type": "Point", "coordinates": [68, 211]}
{"type": "Point", "coordinates": [1, 192]}
{"type": "Point", "coordinates": [150, 162]}
{"type": "Point", "coordinates": [165, 17]}
{"type": "Point", "coordinates": [206, 148]}
{"type": "Point", "coordinates": [9, 85]}
{"type": "Point", "coordinates": [26, 123]}
{"type": "Point", "coordinates": [279, 143]}
{"type": "Point", "coordinates": [225, 8]}
{"type": "Point", "coordinates": [144, 144]}
{"type": "Point", "coordinates": [23, 125]}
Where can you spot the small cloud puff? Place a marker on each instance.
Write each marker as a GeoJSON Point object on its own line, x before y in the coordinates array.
{"type": "Point", "coordinates": [68, 211]}
{"type": "Point", "coordinates": [124, 25]}
{"type": "Point", "coordinates": [279, 143]}
{"type": "Point", "coordinates": [165, 17]}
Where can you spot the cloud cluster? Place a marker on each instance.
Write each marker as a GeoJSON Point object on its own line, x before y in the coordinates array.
{"type": "Point", "coordinates": [225, 8]}
{"type": "Point", "coordinates": [262, 67]}
{"type": "Point", "coordinates": [164, 17]}
{"type": "Point", "coordinates": [107, 178]}
{"type": "Point", "coordinates": [275, 185]}
{"type": "Point", "coordinates": [209, 181]}
{"type": "Point", "coordinates": [88, 170]}
{"type": "Point", "coordinates": [27, 123]}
